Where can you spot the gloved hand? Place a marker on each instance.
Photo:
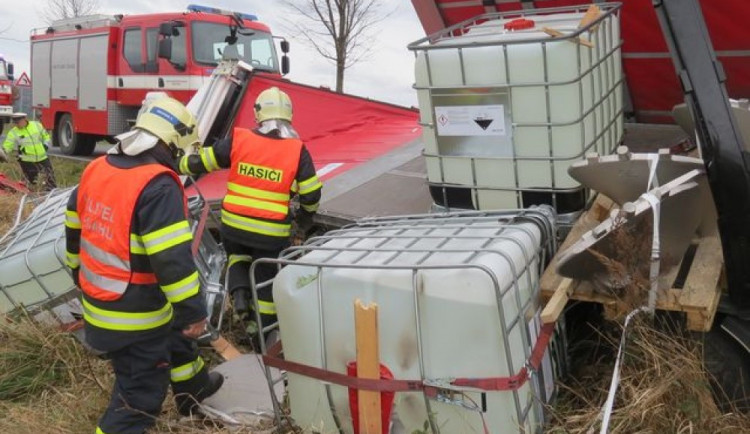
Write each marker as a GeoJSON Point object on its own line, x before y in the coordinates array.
{"type": "Point", "coordinates": [304, 221]}
{"type": "Point", "coordinates": [195, 330]}
{"type": "Point", "coordinates": [46, 146]}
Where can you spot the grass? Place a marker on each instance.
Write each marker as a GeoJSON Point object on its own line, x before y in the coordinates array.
{"type": "Point", "coordinates": [663, 386]}
{"type": "Point", "coordinates": [49, 383]}
{"type": "Point", "coordinates": [67, 172]}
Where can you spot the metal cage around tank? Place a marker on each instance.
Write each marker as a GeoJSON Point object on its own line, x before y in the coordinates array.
{"type": "Point", "coordinates": [400, 245]}
{"type": "Point", "coordinates": [553, 116]}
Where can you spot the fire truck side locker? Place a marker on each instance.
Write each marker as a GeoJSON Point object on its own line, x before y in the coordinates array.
{"type": "Point", "coordinates": [70, 83]}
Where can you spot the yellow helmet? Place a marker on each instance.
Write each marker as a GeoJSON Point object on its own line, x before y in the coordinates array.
{"type": "Point", "coordinates": [170, 121]}
{"type": "Point", "coordinates": [273, 103]}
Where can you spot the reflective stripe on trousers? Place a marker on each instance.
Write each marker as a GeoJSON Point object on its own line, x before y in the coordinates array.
{"type": "Point", "coordinates": [125, 321]}
{"type": "Point", "coordinates": [187, 371]}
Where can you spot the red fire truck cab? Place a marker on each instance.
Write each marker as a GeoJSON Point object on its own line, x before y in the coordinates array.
{"type": "Point", "coordinates": [6, 91]}
{"type": "Point", "coordinates": [91, 74]}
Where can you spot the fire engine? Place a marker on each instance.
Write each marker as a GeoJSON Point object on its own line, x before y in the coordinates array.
{"type": "Point", "coordinates": [91, 74]}
{"type": "Point", "coordinates": [6, 90]}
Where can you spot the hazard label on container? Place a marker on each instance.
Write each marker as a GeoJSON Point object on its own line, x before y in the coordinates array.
{"type": "Point", "coordinates": [470, 120]}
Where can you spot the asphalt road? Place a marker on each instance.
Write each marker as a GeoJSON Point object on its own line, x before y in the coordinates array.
{"type": "Point", "coordinates": [101, 149]}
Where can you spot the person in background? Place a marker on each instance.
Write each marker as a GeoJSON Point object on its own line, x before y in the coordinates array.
{"type": "Point", "coordinates": [29, 141]}
{"type": "Point", "coordinates": [267, 166]}
{"type": "Point", "coordinates": [128, 246]}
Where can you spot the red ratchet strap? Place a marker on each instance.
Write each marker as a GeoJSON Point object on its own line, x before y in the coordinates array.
{"type": "Point", "coordinates": [513, 382]}
{"type": "Point", "coordinates": [272, 359]}
{"type": "Point", "coordinates": [199, 230]}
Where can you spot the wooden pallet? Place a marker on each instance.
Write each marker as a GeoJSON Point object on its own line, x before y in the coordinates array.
{"type": "Point", "coordinates": [698, 297]}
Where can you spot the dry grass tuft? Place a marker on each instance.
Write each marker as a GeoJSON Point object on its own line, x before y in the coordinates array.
{"type": "Point", "coordinates": [8, 208]}
{"type": "Point", "coordinates": [663, 388]}
{"type": "Point", "coordinates": [49, 383]}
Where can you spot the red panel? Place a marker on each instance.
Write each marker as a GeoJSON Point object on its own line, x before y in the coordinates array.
{"type": "Point", "coordinates": [727, 23]}
{"type": "Point", "coordinates": [559, 3]}
{"type": "Point", "coordinates": [653, 84]}
{"type": "Point", "coordinates": [455, 16]}
{"type": "Point", "coordinates": [339, 130]}
{"type": "Point", "coordinates": [84, 121]}
{"type": "Point", "coordinates": [737, 70]}
{"type": "Point", "coordinates": [429, 16]}
{"type": "Point", "coordinates": [641, 31]}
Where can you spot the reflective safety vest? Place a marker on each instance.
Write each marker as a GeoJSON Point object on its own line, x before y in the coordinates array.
{"type": "Point", "coordinates": [260, 181]}
{"type": "Point", "coordinates": [28, 141]}
{"type": "Point", "coordinates": [107, 197]}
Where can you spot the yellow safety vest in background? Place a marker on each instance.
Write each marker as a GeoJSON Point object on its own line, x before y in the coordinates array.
{"type": "Point", "coordinates": [28, 142]}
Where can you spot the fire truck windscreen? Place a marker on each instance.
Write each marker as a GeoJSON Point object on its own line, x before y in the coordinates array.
{"type": "Point", "coordinates": [255, 48]}
{"type": "Point", "coordinates": [3, 70]}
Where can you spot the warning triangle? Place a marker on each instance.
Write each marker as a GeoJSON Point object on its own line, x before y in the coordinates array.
{"type": "Point", "coordinates": [483, 123]}
{"type": "Point", "coordinates": [23, 80]}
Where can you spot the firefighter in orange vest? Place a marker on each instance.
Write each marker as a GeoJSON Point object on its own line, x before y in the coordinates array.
{"type": "Point", "coordinates": [267, 166]}
{"type": "Point", "coordinates": [128, 246]}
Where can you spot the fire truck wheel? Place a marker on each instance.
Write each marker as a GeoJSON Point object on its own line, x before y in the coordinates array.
{"type": "Point", "coordinates": [70, 142]}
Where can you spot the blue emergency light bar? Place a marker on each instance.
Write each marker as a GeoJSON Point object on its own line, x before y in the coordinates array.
{"type": "Point", "coordinates": [210, 10]}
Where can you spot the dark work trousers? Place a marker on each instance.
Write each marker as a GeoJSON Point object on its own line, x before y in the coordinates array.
{"type": "Point", "coordinates": [44, 168]}
{"type": "Point", "coordinates": [142, 376]}
{"type": "Point", "coordinates": [238, 275]}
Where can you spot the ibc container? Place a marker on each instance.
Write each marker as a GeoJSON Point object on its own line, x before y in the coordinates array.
{"type": "Point", "coordinates": [506, 108]}
{"type": "Point", "coordinates": [457, 297]}
{"type": "Point", "coordinates": [32, 256]}
{"type": "Point", "coordinates": [33, 274]}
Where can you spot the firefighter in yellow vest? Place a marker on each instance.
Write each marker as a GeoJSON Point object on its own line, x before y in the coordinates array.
{"type": "Point", "coordinates": [128, 245]}
{"type": "Point", "coordinates": [267, 166]}
{"type": "Point", "coordinates": [29, 141]}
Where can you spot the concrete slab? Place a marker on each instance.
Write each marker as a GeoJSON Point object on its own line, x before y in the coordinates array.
{"type": "Point", "coordinates": [245, 395]}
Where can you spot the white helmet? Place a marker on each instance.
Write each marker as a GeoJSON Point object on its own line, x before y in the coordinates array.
{"type": "Point", "coordinates": [273, 103]}
{"type": "Point", "coordinates": [164, 119]}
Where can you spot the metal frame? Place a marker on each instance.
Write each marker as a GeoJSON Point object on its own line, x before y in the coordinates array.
{"type": "Point", "coordinates": [50, 206]}
{"type": "Point", "coordinates": [599, 72]}
{"type": "Point", "coordinates": [210, 259]}
{"type": "Point", "coordinates": [541, 217]}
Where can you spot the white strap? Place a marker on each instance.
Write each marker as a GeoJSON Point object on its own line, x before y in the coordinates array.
{"type": "Point", "coordinates": [655, 203]}
{"type": "Point", "coordinates": [653, 180]}
{"type": "Point", "coordinates": [606, 412]}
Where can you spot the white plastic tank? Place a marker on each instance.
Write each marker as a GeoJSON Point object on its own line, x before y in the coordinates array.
{"type": "Point", "coordinates": [32, 261]}
{"type": "Point", "coordinates": [507, 108]}
{"type": "Point", "coordinates": [33, 274]}
{"type": "Point", "coordinates": [465, 287]}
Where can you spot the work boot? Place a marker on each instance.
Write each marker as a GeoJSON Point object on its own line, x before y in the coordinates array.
{"type": "Point", "coordinates": [188, 404]}
{"type": "Point", "coordinates": [241, 302]}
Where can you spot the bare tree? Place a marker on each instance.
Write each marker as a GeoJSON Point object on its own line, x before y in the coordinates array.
{"type": "Point", "coordinates": [63, 9]}
{"type": "Point", "coordinates": [338, 29]}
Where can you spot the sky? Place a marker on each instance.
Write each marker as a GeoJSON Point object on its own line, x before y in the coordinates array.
{"type": "Point", "coordinates": [387, 74]}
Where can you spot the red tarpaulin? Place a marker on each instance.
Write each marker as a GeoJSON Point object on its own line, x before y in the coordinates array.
{"type": "Point", "coordinates": [340, 131]}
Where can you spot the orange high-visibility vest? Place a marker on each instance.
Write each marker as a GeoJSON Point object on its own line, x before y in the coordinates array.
{"type": "Point", "coordinates": [107, 196]}
{"type": "Point", "coordinates": [261, 176]}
